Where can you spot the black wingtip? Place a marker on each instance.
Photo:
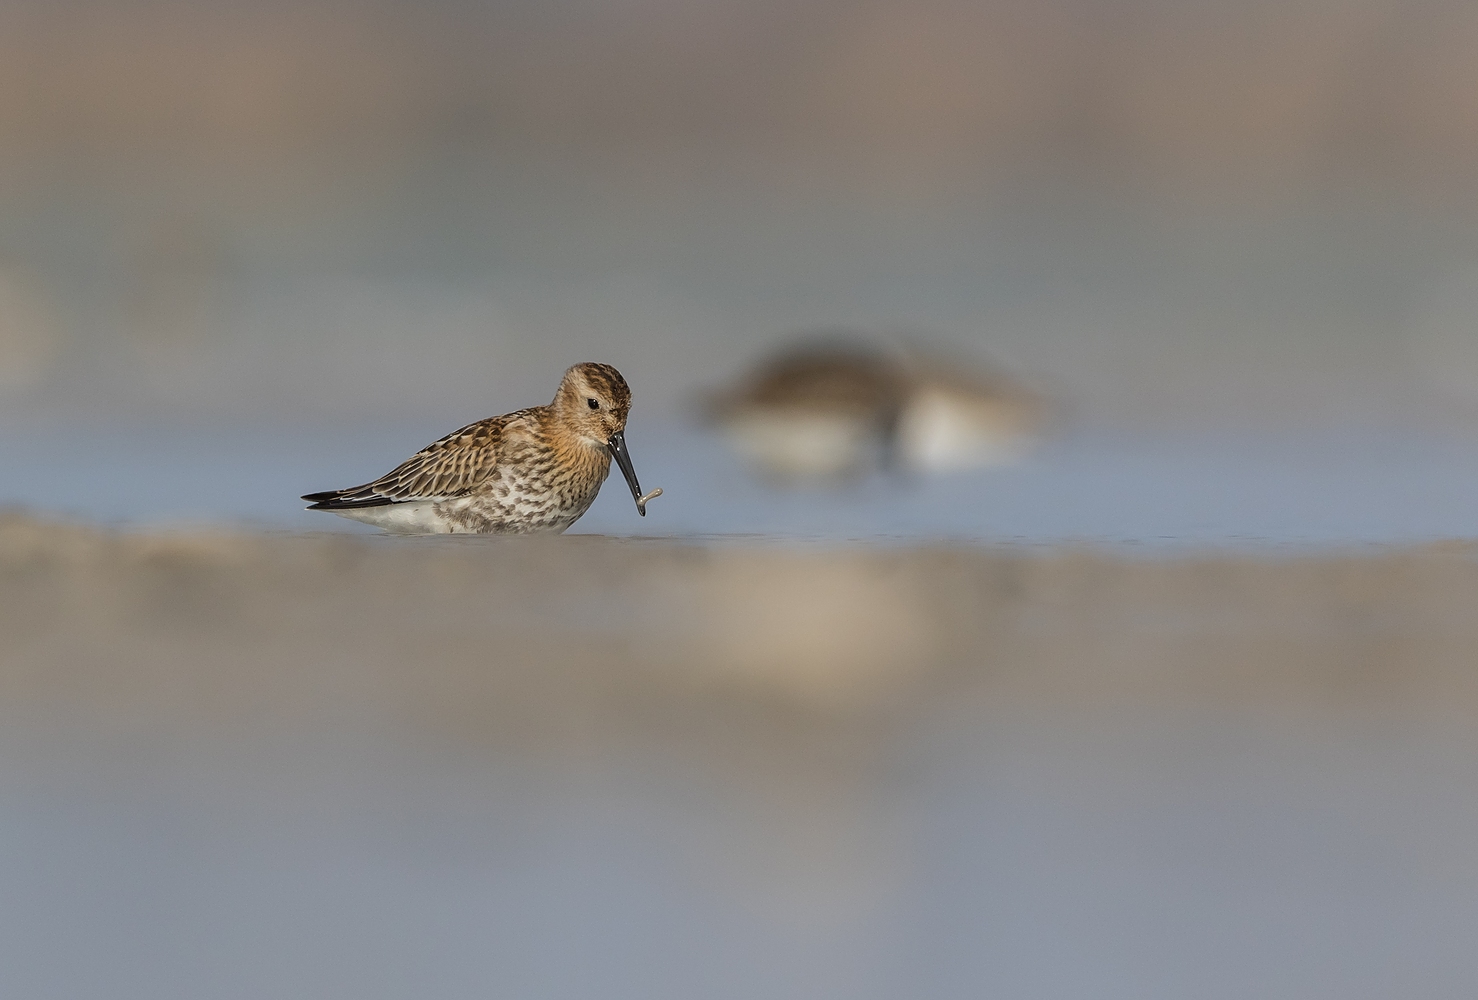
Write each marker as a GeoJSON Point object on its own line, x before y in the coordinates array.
{"type": "Point", "coordinates": [345, 500]}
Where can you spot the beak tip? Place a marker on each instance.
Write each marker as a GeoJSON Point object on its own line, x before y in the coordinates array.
{"type": "Point", "coordinates": [617, 446]}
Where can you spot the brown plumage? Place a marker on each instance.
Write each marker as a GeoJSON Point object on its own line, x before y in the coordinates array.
{"type": "Point", "coordinates": [532, 470]}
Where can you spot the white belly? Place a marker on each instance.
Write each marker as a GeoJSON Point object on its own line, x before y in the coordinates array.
{"type": "Point", "coordinates": [790, 443]}
{"type": "Point", "coordinates": [413, 518]}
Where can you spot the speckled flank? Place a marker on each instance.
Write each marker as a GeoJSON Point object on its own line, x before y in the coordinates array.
{"type": "Point", "coordinates": [533, 470]}
{"type": "Point", "coordinates": [532, 490]}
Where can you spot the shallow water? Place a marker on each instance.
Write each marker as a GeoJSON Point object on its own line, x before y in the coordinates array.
{"type": "Point", "coordinates": [1334, 489]}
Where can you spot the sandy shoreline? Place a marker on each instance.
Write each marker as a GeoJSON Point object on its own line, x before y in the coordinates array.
{"type": "Point", "coordinates": [200, 626]}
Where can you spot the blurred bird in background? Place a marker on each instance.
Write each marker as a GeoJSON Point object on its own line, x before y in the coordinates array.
{"type": "Point", "coordinates": [837, 406]}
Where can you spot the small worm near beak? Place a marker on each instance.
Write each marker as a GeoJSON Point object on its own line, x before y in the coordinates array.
{"type": "Point", "coordinates": [641, 501]}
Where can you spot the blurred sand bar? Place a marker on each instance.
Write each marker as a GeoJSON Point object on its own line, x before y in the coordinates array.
{"type": "Point", "coordinates": [511, 637]}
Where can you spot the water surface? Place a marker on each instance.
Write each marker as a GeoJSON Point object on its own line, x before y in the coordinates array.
{"type": "Point", "coordinates": [1338, 488]}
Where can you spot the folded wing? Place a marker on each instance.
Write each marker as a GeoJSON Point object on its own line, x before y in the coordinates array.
{"type": "Point", "coordinates": [450, 467]}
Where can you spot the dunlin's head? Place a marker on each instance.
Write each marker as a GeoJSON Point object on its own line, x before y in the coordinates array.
{"type": "Point", "coordinates": [592, 403]}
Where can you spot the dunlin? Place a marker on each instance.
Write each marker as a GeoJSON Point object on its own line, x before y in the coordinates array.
{"type": "Point", "coordinates": [533, 470]}
{"type": "Point", "coordinates": [836, 407]}
{"type": "Point", "coordinates": [816, 411]}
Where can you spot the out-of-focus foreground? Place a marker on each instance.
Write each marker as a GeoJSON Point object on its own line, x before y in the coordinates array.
{"type": "Point", "coordinates": [240, 766]}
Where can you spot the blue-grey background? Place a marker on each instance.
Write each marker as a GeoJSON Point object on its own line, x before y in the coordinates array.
{"type": "Point", "coordinates": [253, 250]}
{"type": "Point", "coordinates": [245, 254]}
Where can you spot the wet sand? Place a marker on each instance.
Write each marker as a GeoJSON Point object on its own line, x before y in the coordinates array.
{"type": "Point", "coordinates": [195, 625]}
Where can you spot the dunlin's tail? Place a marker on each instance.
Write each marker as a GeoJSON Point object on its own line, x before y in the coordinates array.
{"type": "Point", "coordinates": [358, 496]}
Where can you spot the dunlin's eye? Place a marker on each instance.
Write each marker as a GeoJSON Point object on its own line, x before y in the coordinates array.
{"type": "Point", "coordinates": [593, 404]}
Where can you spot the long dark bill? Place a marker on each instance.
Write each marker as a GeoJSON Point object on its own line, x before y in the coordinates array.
{"type": "Point", "coordinates": [617, 446]}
